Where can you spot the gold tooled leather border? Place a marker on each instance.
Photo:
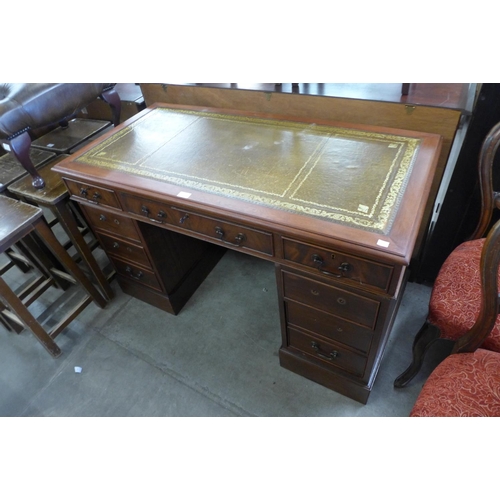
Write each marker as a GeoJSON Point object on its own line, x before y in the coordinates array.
{"type": "Point", "coordinates": [377, 218]}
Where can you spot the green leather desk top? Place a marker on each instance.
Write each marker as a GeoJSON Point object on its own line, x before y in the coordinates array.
{"type": "Point", "coordinates": [348, 176]}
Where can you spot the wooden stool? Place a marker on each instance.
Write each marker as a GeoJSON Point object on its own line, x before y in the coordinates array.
{"type": "Point", "coordinates": [17, 220]}
{"type": "Point", "coordinates": [55, 197]}
{"type": "Point", "coordinates": [30, 251]}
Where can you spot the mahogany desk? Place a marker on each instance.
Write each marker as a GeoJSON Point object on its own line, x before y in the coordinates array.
{"type": "Point", "coordinates": [336, 207]}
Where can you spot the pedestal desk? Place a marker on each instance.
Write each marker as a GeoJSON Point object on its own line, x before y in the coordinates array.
{"type": "Point", "coordinates": [337, 208]}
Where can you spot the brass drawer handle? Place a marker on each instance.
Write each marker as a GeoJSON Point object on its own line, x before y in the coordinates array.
{"type": "Point", "coordinates": [343, 268]}
{"type": "Point", "coordinates": [238, 239]}
{"type": "Point", "coordinates": [136, 276]}
{"type": "Point", "coordinates": [102, 217]}
{"type": "Point", "coordinates": [183, 219]}
{"type": "Point", "coordinates": [95, 197]}
{"type": "Point", "coordinates": [328, 357]}
{"type": "Point", "coordinates": [159, 218]}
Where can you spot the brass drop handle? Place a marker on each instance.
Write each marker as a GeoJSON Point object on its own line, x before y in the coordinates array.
{"type": "Point", "coordinates": [159, 218]}
{"type": "Point", "coordinates": [84, 192]}
{"type": "Point", "coordinates": [343, 268]}
{"type": "Point", "coordinates": [328, 357]}
{"type": "Point", "coordinates": [238, 239]}
{"type": "Point", "coordinates": [102, 217]}
{"type": "Point", "coordinates": [136, 276]}
{"type": "Point", "coordinates": [183, 219]}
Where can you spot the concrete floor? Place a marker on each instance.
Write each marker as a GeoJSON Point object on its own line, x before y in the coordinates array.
{"type": "Point", "coordinates": [217, 358]}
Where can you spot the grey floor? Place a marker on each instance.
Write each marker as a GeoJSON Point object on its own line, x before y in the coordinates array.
{"type": "Point", "coordinates": [217, 358]}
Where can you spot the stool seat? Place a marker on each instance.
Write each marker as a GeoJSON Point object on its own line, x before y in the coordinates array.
{"type": "Point", "coordinates": [16, 220]}
{"type": "Point", "coordinates": [25, 107]}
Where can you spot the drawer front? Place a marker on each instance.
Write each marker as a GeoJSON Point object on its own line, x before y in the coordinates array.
{"type": "Point", "coordinates": [137, 274]}
{"type": "Point", "coordinates": [329, 326]}
{"type": "Point", "coordinates": [93, 194]}
{"type": "Point", "coordinates": [116, 224]}
{"type": "Point", "coordinates": [336, 264]}
{"type": "Point", "coordinates": [333, 300]}
{"type": "Point", "coordinates": [154, 211]}
{"type": "Point", "coordinates": [233, 235]}
{"type": "Point", "coordinates": [327, 352]}
{"type": "Point", "coordinates": [124, 249]}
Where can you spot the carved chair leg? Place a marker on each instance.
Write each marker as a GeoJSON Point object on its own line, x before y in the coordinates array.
{"type": "Point", "coordinates": [424, 338]}
{"type": "Point", "coordinates": [20, 148]}
{"type": "Point", "coordinates": [113, 99]}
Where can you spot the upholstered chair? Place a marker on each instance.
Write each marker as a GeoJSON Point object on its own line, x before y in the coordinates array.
{"type": "Point", "coordinates": [467, 383]}
{"type": "Point", "coordinates": [456, 298]}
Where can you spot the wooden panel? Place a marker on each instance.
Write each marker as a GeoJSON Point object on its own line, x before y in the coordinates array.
{"type": "Point", "coordinates": [123, 249]}
{"type": "Point", "coordinates": [327, 352]}
{"type": "Point", "coordinates": [114, 223]}
{"type": "Point", "coordinates": [93, 194]}
{"type": "Point", "coordinates": [329, 326]}
{"type": "Point", "coordinates": [351, 306]}
{"type": "Point", "coordinates": [331, 263]}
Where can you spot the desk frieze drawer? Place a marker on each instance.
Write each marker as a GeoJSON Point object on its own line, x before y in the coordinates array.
{"type": "Point", "coordinates": [329, 326]}
{"type": "Point", "coordinates": [137, 274]}
{"type": "Point", "coordinates": [152, 210]}
{"type": "Point", "coordinates": [331, 299]}
{"type": "Point", "coordinates": [93, 194]}
{"type": "Point", "coordinates": [233, 235]}
{"type": "Point", "coordinates": [327, 352]}
{"type": "Point", "coordinates": [111, 222]}
{"type": "Point", "coordinates": [124, 249]}
{"type": "Point", "coordinates": [333, 264]}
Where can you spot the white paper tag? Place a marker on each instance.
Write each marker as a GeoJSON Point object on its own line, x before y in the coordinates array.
{"type": "Point", "coordinates": [6, 147]}
{"type": "Point", "coordinates": [382, 243]}
{"type": "Point", "coordinates": [183, 194]}
{"type": "Point", "coordinates": [51, 145]}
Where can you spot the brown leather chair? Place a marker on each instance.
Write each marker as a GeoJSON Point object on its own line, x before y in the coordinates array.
{"type": "Point", "coordinates": [26, 107]}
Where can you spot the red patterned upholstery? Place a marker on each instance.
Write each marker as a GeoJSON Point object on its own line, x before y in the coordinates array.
{"type": "Point", "coordinates": [463, 385]}
{"type": "Point", "coordinates": [455, 299]}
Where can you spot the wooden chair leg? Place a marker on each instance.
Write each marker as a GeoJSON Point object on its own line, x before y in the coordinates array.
{"type": "Point", "coordinates": [112, 98]}
{"type": "Point", "coordinates": [28, 320]}
{"type": "Point", "coordinates": [20, 148]}
{"type": "Point", "coordinates": [424, 338]}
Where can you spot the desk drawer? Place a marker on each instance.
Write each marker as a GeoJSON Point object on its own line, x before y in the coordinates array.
{"type": "Point", "coordinates": [326, 352]}
{"type": "Point", "coordinates": [154, 211]}
{"type": "Point", "coordinates": [136, 274]}
{"type": "Point", "coordinates": [333, 300]}
{"type": "Point", "coordinates": [329, 326]}
{"type": "Point", "coordinates": [116, 224]}
{"type": "Point", "coordinates": [233, 235]}
{"type": "Point", "coordinates": [93, 194]}
{"type": "Point", "coordinates": [336, 264]}
{"type": "Point", "coordinates": [124, 249]}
